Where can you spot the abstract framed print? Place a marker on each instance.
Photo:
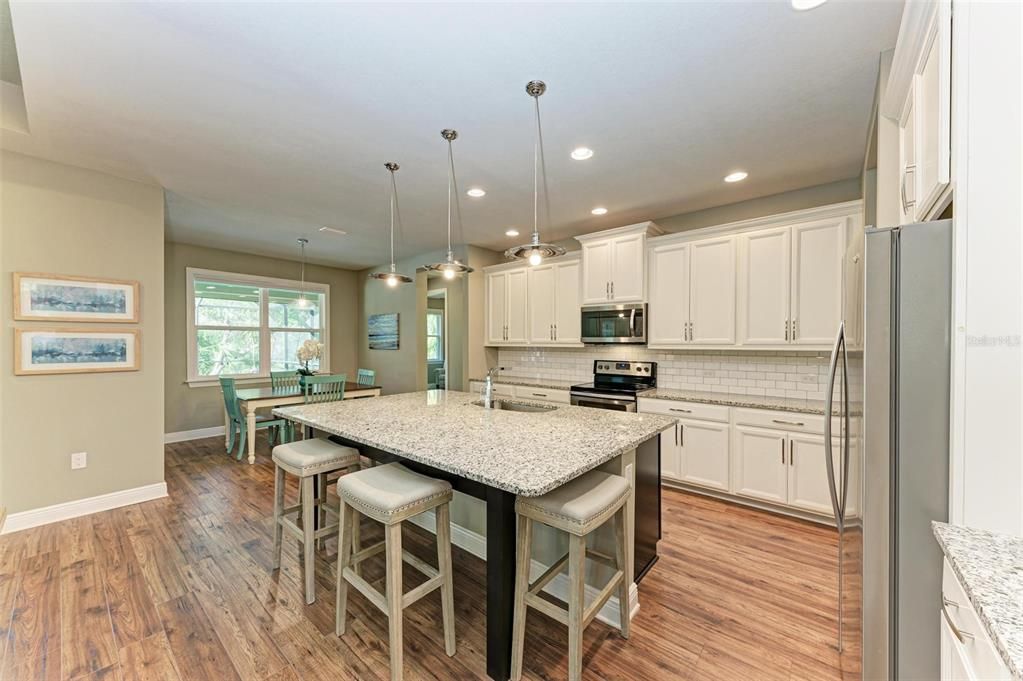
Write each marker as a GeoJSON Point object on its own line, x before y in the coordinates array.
{"type": "Point", "coordinates": [61, 298]}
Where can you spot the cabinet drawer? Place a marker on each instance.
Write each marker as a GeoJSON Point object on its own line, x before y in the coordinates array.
{"type": "Point", "coordinates": [688, 410]}
{"type": "Point", "coordinates": [793, 422]}
{"type": "Point", "coordinates": [545, 394]}
{"type": "Point", "coordinates": [976, 644]}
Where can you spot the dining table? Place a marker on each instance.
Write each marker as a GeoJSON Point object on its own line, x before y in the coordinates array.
{"type": "Point", "coordinates": [251, 399]}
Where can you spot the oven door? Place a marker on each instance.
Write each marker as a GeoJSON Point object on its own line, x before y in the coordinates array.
{"type": "Point", "coordinates": [599, 401]}
{"type": "Point", "coordinates": [614, 323]}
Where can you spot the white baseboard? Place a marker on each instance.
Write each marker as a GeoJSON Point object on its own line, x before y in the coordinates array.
{"type": "Point", "coordinates": [476, 544]}
{"type": "Point", "coordinates": [197, 434]}
{"type": "Point", "coordinates": [73, 509]}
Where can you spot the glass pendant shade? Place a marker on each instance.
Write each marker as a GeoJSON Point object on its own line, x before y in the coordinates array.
{"type": "Point", "coordinates": [392, 278]}
{"type": "Point", "coordinates": [450, 268]}
{"type": "Point", "coordinates": [535, 251]}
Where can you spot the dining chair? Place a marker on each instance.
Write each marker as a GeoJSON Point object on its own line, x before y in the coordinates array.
{"type": "Point", "coordinates": [325, 388]}
{"type": "Point", "coordinates": [239, 424]}
{"type": "Point", "coordinates": [366, 377]}
{"type": "Point", "coordinates": [280, 380]}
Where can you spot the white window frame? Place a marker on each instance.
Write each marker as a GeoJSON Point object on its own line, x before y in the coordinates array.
{"type": "Point", "coordinates": [263, 284]}
{"type": "Point", "coordinates": [443, 333]}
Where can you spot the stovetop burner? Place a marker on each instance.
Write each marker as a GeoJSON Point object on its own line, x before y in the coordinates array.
{"type": "Point", "coordinates": [620, 378]}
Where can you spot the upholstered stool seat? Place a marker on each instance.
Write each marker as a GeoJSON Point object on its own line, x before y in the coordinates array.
{"type": "Point", "coordinates": [390, 494]}
{"type": "Point", "coordinates": [579, 507]}
{"type": "Point", "coordinates": [311, 460]}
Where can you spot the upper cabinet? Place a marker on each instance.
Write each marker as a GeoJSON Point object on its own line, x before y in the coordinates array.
{"type": "Point", "coordinates": [692, 293]}
{"type": "Point", "coordinates": [614, 264]}
{"type": "Point", "coordinates": [506, 307]}
{"type": "Point", "coordinates": [919, 96]}
{"type": "Point", "coordinates": [818, 250]}
{"type": "Point", "coordinates": [533, 305]}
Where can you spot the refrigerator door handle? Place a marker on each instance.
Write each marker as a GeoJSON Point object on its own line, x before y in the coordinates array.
{"type": "Point", "coordinates": [828, 400]}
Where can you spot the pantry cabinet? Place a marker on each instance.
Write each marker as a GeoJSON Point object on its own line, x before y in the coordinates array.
{"type": "Point", "coordinates": [614, 264]}
{"type": "Point", "coordinates": [506, 296]}
{"type": "Point", "coordinates": [553, 308]}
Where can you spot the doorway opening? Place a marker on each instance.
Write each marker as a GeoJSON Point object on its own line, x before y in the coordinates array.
{"type": "Point", "coordinates": [437, 339]}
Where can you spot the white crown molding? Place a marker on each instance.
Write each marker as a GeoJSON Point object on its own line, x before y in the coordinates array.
{"type": "Point", "coordinates": [571, 256]}
{"type": "Point", "coordinates": [73, 509]}
{"type": "Point", "coordinates": [649, 228]}
{"type": "Point", "coordinates": [197, 434]}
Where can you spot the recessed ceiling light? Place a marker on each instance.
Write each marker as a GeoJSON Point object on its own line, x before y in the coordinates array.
{"type": "Point", "coordinates": [334, 230]}
{"type": "Point", "coordinates": [582, 153]}
{"type": "Point", "coordinates": [600, 210]}
{"type": "Point", "coordinates": [476, 192]}
{"type": "Point", "coordinates": [511, 232]}
{"type": "Point", "coordinates": [737, 176]}
{"type": "Point", "coordinates": [803, 5]}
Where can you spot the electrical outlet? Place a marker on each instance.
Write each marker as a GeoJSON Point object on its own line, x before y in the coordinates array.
{"type": "Point", "coordinates": [79, 460]}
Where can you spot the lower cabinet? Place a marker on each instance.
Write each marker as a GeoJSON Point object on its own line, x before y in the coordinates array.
{"type": "Point", "coordinates": [704, 451]}
{"type": "Point", "coordinates": [966, 650]}
{"type": "Point", "coordinates": [808, 473]}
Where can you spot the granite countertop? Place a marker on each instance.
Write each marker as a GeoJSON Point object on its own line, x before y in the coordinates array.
{"type": "Point", "coordinates": [525, 453]}
{"type": "Point", "coordinates": [529, 382]}
{"type": "Point", "coordinates": [990, 568]}
{"type": "Point", "coordinates": [750, 401]}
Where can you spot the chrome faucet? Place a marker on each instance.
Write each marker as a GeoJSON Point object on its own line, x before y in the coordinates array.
{"type": "Point", "coordinates": [488, 387]}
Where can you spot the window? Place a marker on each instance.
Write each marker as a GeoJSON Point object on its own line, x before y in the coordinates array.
{"type": "Point", "coordinates": [434, 336]}
{"type": "Point", "coordinates": [246, 326]}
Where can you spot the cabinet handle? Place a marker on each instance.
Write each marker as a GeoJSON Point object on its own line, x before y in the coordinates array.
{"type": "Point", "coordinates": [607, 290]}
{"type": "Point", "coordinates": [783, 452]}
{"type": "Point", "coordinates": [788, 423]}
{"type": "Point", "coordinates": [682, 432]}
{"type": "Point", "coordinates": [956, 631]}
{"type": "Point", "coordinates": [683, 411]}
{"type": "Point", "coordinates": [786, 330]}
{"type": "Point", "coordinates": [539, 394]}
{"type": "Point", "coordinates": [795, 328]}
{"type": "Point", "coordinates": [676, 433]}
{"type": "Point", "coordinates": [612, 290]}
{"type": "Point", "coordinates": [555, 332]}
{"type": "Point", "coordinates": [792, 454]}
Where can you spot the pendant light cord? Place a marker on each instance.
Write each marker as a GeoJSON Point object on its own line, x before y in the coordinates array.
{"type": "Point", "coordinates": [539, 176]}
{"type": "Point", "coordinates": [453, 193]}
{"type": "Point", "coordinates": [393, 202]}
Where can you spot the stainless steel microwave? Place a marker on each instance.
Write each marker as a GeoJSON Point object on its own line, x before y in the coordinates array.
{"type": "Point", "coordinates": [614, 323]}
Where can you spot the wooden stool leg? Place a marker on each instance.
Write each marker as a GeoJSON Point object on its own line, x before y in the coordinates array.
{"type": "Point", "coordinates": [523, 560]}
{"type": "Point", "coordinates": [308, 543]}
{"type": "Point", "coordinates": [321, 509]}
{"type": "Point", "coordinates": [447, 590]}
{"type": "Point", "coordinates": [356, 535]}
{"type": "Point", "coordinates": [278, 513]}
{"type": "Point", "coordinates": [394, 597]}
{"type": "Point", "coordinates": [576, 604]}
{"type": "Point", "coordinates": [622, 555]}
{"type": "Point", "coordinates": [344, 555]}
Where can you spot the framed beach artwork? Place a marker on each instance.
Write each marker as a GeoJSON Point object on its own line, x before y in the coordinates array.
{"type": "Point", "coordinates": [383, 331]}
{"type": "Point", "coordinates": [60, 298]}
{"type": "Point", "coordinates": [75, 351]}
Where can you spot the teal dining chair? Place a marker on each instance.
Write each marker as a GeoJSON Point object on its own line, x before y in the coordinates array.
{"type": "Point", "coordinates": [325, 388]}
{"type": "Point", "coordinates": [282, 380]}
{"type": "Point", "coordinates": [239, 424]}
{"type": "Point", "coordinates": [366, 377]}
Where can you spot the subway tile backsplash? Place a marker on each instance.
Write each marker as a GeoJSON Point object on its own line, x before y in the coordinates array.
{"type": "Point", "coordinates": [802, 375]}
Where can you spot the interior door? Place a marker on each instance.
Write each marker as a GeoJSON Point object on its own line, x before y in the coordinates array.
{"type": "Point", "coordinates": [542, 291]}
{"type": "Point", "coordinates": [669, 295]}
{"type": "Point", "coordinates": [596, 272]}
{"type": "Point", "coordinates": [808, 474]}
{"type": "Point", "coordinates": [764, 262]}
{"type": "Point", "coordinates": [517, 306]}
{"type": "Point", "coordinates": [627, 255]}
{"type": "Point", "coordinates": [705, 455]}
{"type": "Point", "coordinates": [566, 306]}
{"type": "Point", "coordinates": [760, 469]}
{"type": "Point", "coordinates": [712, 291]}
{"type": "Point", "coordinates": [818, 249]}
{"type": "Point", "coordinates": [497, 306]}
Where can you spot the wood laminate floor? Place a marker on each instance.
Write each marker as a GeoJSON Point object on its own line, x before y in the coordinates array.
{"type": "Point", "coordinates": [181, 588]}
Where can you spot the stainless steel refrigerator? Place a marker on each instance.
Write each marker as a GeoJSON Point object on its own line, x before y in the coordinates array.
{"type": "Point", "coordinates": [890, 375]}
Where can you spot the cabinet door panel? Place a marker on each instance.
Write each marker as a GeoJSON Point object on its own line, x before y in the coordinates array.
{"type": "Point", "coordinates": [542, 291]}
{"type": "Point", "coordinates": [596, 272]}
{"type": "Point", "coordinates": [933, 107]}
{"type": "Point", "coordinates": [669, 294]}
{"type": "Point", "coordinates": [907, 168]}
{"type": "Point", "coordinates": [671, 455]}
{"type": "Point", "coordinates": [497, 306]}
{"type": "Point", "coordinates": [817, 253]}
{"type": "Point", "coordinates": [757, 467]}
{"type": "Point", "coordinates": [955, 665]}
{"type": "Point", "coordinates": [764, 282]}
{"type": "Point", "coordinates": [627, 268]}
{"type": "Point", "coordinates": [705, 455]}
{"type": "Point", "coordinates": [566, 316]}
{"type": "Point", "coordinates": [808, 474]}
{"type": "Point", "coordinates": [712, 291]}
{"type": "Point", "coordinates": [517, 289]}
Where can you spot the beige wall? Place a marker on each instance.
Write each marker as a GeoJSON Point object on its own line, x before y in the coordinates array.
{"type": "Point", "coordinates": [65, 220]}
{"type": "Point", "coordinates": [190, 408]}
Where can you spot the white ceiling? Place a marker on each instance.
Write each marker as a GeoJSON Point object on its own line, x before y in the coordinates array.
{"type": "Point", "coordinates": [265, 121]}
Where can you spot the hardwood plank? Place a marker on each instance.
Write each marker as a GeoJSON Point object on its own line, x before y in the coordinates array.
{"type": "Point", "coordinates": [149, 659]}
{"type": "Point", "coordinates": [87, 638]}
{"type": "Point", "coordinates": [35, 623]}
{"type": "Point", "coordinates": [198, 653]}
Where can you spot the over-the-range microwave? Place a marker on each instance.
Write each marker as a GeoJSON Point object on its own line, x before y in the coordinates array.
{"type": "Point", "coordinates": [625, 323]}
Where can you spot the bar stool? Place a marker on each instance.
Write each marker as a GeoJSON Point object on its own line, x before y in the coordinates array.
{"type": "Point", "coordinates": [391, 494]}
{"type": "Point", "coordinates": [578, 508]}
{"type": "Point", "coordinates": [310, 460]}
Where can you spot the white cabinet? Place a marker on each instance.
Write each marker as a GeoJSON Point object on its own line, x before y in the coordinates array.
{"type": "Point", "coordinates": [704, 449]}
{"type": "Point", "coordinates": [712, 292]}
{"type": "Point", "coordinates": [669, 295]}
{"type": "Point", "coordinates": [554, 304]}
{"type": "Point", "coordinates": [542, 305]}
{"type": "Point", "coordinates": [966, 650]}
{"type": "Point", "coordinates": [790, 283]}
{"type": "Point", "coordinates": [955, 664]}
{"type": "Point", "coordinates": [507, 323]}
{"type": "Point", "coordinates": [671, 455]}
{"type": "Point", "coordinates": [808, 473]}
{"type": "Point", "coordinates": [566, 311]}
{"type": "Point", "coordinates": [614, 264]}
{"type": "Point", "coordinates": [759, 467]}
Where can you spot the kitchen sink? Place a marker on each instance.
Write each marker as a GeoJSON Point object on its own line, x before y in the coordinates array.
{"type": "Point", "coordinates": [518, 406]}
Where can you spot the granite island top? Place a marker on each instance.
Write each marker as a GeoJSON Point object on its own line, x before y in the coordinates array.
{"type": "Point", "coordinates": [990, 568]}
{"type": "Point", "coordinates": [524, 453]}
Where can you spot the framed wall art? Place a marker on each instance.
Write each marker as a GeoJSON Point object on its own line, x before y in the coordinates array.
{"type": "Point", "coordinates": [75, 351]}
{"type": "Point", "coordinates": [61, 298]}
{"type": "Point", "coordinates": [383, 331]}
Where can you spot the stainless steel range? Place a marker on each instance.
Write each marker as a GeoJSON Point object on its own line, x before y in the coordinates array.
{"type": "Point", "coordinates": [616, 385]}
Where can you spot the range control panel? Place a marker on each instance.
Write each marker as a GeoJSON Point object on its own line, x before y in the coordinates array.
{"type": "Point", "coordinates": [609, 368]}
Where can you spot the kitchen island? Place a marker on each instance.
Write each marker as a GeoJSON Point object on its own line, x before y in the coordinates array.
{"type": "Point", "coordinates": [493, 455]}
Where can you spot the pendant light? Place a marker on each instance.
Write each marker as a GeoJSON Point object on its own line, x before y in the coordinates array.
{"type": "Point", "coordinates": [392, 278]}
{"type": "Point", "coordinates": [302, 302]}
{"type": "Point", "coordinates": [535, 251]}
{"type": "Point", "coordinates": [450, 268]}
